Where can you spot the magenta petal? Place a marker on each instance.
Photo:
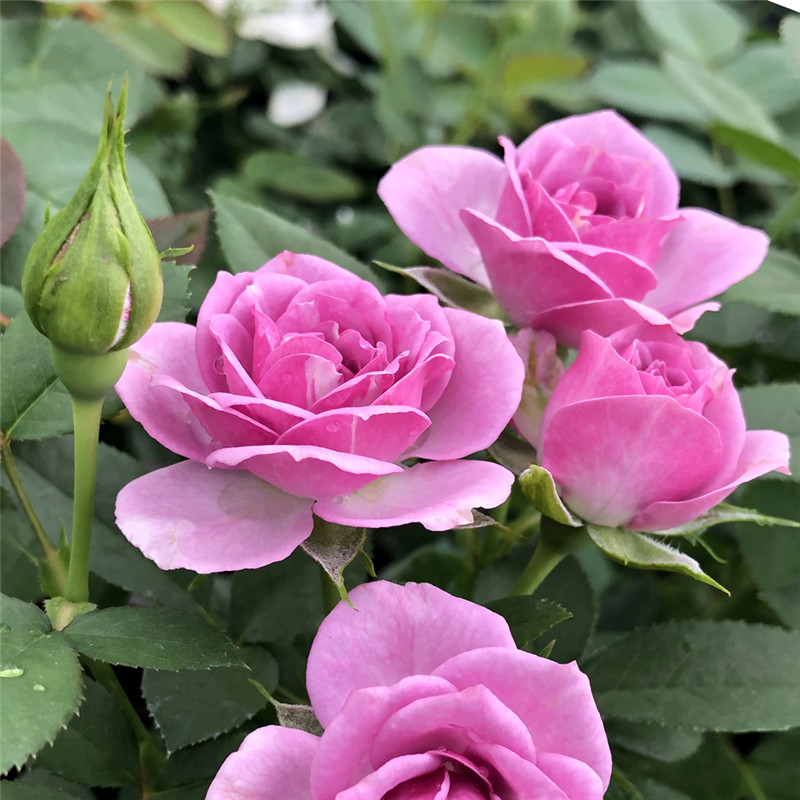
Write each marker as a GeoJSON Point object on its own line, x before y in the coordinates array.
{"type": "Point", "coordinates": [426, 190]}
{"type": "Point", "coordinates": [166, 350]}
{"type": "Point", "coordinates": [557, 702]}
{"type": "Point", "coordinates": [529, 276]}
{"type": "Point", "coordinates": [702, 257]}
{"type": "Point", "coordinates": [187, 515]}
{"type": "Point", "coordinates": [605, 317]}
{"type": "Point", "coordinates": [272, 763]}
{"type": "Point", "coordinates": [308, 268]}
{"type": "Point", "coordinates": [305, 470]}
{"type": "Point", "coordinates": [393, 774]}
{"type": "Point", "coordinates": [518, 778]}
{"type": "Point", "coordinates": [638, 237]}
{"type": "Point", "coordinates": [483, 392]}
{"type": "Point", "coordinates": [392, 632]}
{"type": "Point", "coordinates": [654, 446]}
{"type": "Point", "coordinates": [439, 494]}
{"type": "Point", "coordinates": [763, 452]}
{"type": "Point", "coordinates": [576, 779]}
{"type": "Point", "coordinates": [343, 756]}
{"type": "Point", "coordinates": [453, 721]}
{"type": "Point", "coordinates": [381, 432]}
{"type": "Point", "coordinates": [686, 320]}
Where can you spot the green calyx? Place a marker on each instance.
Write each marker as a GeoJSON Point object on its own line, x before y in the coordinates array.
{"type": "Point", "coordinates": [92, 282]}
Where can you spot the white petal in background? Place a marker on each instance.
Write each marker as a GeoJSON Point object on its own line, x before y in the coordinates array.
{"type": "Point", "coordinates": [295, 102]}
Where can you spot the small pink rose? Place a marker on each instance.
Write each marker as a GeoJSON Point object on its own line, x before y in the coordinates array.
{"type": "Point", "coordinates": [577, 228]}
{"type": "Point", "coordinates": [424, 695]}
{"type": "Point", "coordinates": [645, 430]}
{"type": "Point", "coordinates": [303, 389]}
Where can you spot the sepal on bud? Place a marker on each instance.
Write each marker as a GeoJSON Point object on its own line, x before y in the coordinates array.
{"type": "Point", "coordinates": [92, 282]}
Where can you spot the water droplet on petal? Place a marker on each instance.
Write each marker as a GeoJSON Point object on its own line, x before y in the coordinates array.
{"type": "Point", "coordinates": [37, 687]}
{"type": "Point", "coordinates": [337, 500]}
{"type": "Point", "coordinates": [483, 772]}
{"type": "Point", "coordinates": [442, 749]}
{"type": "Point", "coordinates": [11, 671]}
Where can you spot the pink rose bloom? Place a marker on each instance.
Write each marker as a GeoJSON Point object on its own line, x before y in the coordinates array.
{"type": "Point", "coordinates": [303, 389]}
{"type": "Point", "coordinates": [645, 430]}
{"type": "Point", "coordinates": [577, 228]}
{"type": "Point", "coordinates": [424, 696]}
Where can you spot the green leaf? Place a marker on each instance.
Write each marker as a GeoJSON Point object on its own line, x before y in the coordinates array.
{"type": "Point", "coordinates": [33, 402]}
{"type": "Point", "coordinates": [40, 680]}
{"type": "Point", "coordinates": [760, 150]}
{"type": "Point", "coordinates": [719, 99]}
{"type": "Point", "coordinates": [452, 289]}
{"type": "Point", "coordinates": [790, 39]}
{"type": "Point", "coordinates": [175, 305]}
{"type": "Point", "coordinates": [157, 638]}
{"type": "Point", "coordinates": [706, 32]}
{"type": "Point", "coordinates": [635, 549]}
{"type": "Point", "coordinates": [182, 230]}
{"type": "Point", "coordinates": [774, 761]}
{"type": "Point", "coordinates": [294, 175]}
{"type": "Point", "coordinates": [179, 701]}
{"type": "Point", "coordinates": [722, 676]}
{"type": "Point", "coordinates": [523, 74]}
{"type": "Point", "coordinates": [513, 452]}
{"type": "Point", "coordinates": [12, 190]}
{"type": "Point", "coordinates": [529, 617]}
{"type": "Point", "coordinates": [775, 285]}
{"type": "Point", "coordinates": [654, 741]}
{"type": "Point", "coordinates": [640, 87]}
{"type": "Point", "coordinates": [191, 23]}
{"type": "Point", "coordinates": [724, 512]}
{"type": "Point", "coordinates": [438, 563]}
{"type": "Point", "coordinates": [540, 488]}
{"type": "Point", "coordinates": [16, 790]}
{"type": "Point", "coordinates": [776, 406]}
{"type": "Point", "coordinates": [333, 547]}
{"type": "Point", "coordinates": [98, 747]}
{"type": "Point", "coordinates": [763, 70]}
{"type": "Point", "coordinates": [250, 236]}
{"type": "Point", "coordinates": [690, 158]}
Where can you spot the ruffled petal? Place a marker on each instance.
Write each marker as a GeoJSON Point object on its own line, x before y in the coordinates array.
{"type": "Point", "coordinates": [392, 632]}
{"type": "Point", "coordinates": [439, 494]}
{"type": "Point", "coordinates": [187, 515]}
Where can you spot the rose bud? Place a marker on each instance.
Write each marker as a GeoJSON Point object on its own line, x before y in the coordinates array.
{"type": "Point", "coordinates": [92, 282]}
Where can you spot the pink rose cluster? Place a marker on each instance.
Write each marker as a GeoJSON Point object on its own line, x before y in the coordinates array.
{"type": "Point", "coordinates": [303, 390]}
{"type": "Point", "coordinates": [425, 695]}
{"type": "Point", "coordinates": [578, 235]}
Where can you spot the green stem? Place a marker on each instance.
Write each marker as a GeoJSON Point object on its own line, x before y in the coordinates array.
{"type": "Point", "coordinates": [86, 418]}
{"type": "Point", "coordinates": [59, 574]}
{"type": "Point", "coordinates": [555, 542]}
{"type": "Point", "coordinates": [625, 782]}
{"type": "Point", "coordinates": [748, 778]}
{"type": "Point", "coordinates": [330, 591]}
{"type": "Point", "coordinates": [151, 756]}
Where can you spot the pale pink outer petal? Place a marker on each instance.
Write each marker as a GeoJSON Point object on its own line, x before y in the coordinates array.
{"type": "Point", "coordinates": [305, 470]}
{"type": "Point", "coordinates": [609, 132]}
{"type": "Point", "coordinates": [438, 494]}
{"type": "Point", "coordinates": [520, 779]}
{"type": "Point", "coordinates": [575, 778]}
{"type": "Point", "coordinates": [187, 515]}
{"type": "Point", "coordinates": [483, 392]}
{"type": "Point", "coordinates": [701, 257]}
{"type": "Point", "coordinates": [272, 763]}
{"type": "Point", "coordinates": [614, 456]}
{"type": "Point", "coordinates": [167, 349]}
{"type": "Point", "coordinates": [426, 190]}
{"type": "Point", "coordinates": [308, 268]}
{"type": "Point", "coordinates": [387, 776]}
{"type": "Point", "coordinates": [763, 451]}
{"type": "Point", "coordinates": [392, 632]}
{"type": "Point", "coordinates": [343, 756]}
{"type": "Point", "coordinates": [686, 320]}
{"type": "Point", "coordinates": [556, 705]}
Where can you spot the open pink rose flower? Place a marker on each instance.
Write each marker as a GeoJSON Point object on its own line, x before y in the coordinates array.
{"type": "Point", "coordinates": [645, 430]}
{"type": "Point", "coordinates": [424, 696]}
{"type": "Point", "coordinates": [303, 389]}
{"type": "Point", "coordinates": [577, 228]}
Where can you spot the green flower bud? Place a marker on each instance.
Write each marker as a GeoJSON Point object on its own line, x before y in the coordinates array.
{"type": "Point", "coordinates": [92, 282]}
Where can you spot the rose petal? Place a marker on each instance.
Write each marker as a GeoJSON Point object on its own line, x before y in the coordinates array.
{"type": "Point", "coordinates": [482, 394]}
{"type": "Point", "coordinates": [439, 494]}
{"type": "Point", "coordinates": [308, 268]}
{"type": "Point", "coordinates": [381, 432]}
{"type": "Point", "coordinates": [557, 703]}
{"type": "Point", "coordinates": [575, 778]}
{"type": "Point", "coordinates": [342, 759]}
{"type": "Point", "coordinates": [167, 349]}
{"type": "Point", "coordinates": [763, 451]}
{"type": "Point", "coordinates": [702, 257]}
{"type": "Point", "coordinates": [305, 470]}
{"type": "Point", "coordinates": [392, 632]}
{"type": "Point", "coordinates": [425, 191]}
{"type": "Point", "coordinates": [272, 763]}
{"type": "Point", "coordinates": [516, 777]}
{"type": "Point", "coordinates": [377, 785]}
{"type": "Point", "coordinates": [187, 515]}
{"type": "Point", "coordinates": [640, 238]}
{"type": "Point", "coordinates": [675, 451]}
{"type": "Point", "coordinates": [530, 275]}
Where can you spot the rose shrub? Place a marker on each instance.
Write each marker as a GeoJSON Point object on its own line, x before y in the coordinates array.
{"type": "Point", "coordinates": [425, 695]}
{"type": "Point", "coordinates": [578, 228]}
{"type": "Point", "coordinates": [645, 430]}
{"type": "Point", "coordinates": [303, 388]}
